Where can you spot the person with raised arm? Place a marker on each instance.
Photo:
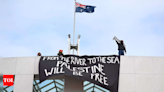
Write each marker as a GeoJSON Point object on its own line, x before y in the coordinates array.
{"type": "Point", "coordinates": [121, 46]}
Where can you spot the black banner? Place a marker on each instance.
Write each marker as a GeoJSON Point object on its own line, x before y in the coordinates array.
{"type": "Point", "coordinates": [100, 70]}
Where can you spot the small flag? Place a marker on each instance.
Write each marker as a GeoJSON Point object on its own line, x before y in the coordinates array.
{"type": "Point", "coordinates": [84, 8]}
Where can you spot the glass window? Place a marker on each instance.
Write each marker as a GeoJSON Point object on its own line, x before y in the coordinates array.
{"type": "Point", "coordinates": [90, 87]}
{"type": "Point", "coordinates": [49, 85]}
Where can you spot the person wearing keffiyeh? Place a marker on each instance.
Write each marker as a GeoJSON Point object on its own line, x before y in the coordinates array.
{"type": "Point", "coordinates": [60, 53]}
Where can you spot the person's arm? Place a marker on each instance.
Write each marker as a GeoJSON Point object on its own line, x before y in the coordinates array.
{"type": "Point", "coordinates": [116, 39]}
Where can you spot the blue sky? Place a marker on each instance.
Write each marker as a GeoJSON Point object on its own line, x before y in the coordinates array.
{"type": "Point", "coordinates": [31, 26]}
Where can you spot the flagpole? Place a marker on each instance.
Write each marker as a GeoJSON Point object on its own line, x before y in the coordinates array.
{"type": "Point", "coordinates": [74, 27]}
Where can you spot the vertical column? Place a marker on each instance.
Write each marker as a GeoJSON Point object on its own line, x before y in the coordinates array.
{"type": "Point", "coordinates": [23, 83]}
{"type": "Point", "coordinates": [73, 84]}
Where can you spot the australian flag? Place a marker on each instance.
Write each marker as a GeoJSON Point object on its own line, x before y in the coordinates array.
{"type": "Point", "coordinates": [84, 8]}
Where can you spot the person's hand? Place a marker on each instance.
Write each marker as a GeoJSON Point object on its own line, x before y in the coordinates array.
{"type": "Point", "coordinates": [125, 52]}
{"type": "Point", "coordinates": [113, 37]}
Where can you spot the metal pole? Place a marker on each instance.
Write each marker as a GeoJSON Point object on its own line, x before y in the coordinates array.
{"type": "Point", "coordinates": [74, 27]}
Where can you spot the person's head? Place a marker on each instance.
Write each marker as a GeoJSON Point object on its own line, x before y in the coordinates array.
{"type": "Point", "coordinates": [39, 54]}
{"type": "Point", "coordinates": [122, 41]}
{"type": "Point", "coordinates": [60, 50]}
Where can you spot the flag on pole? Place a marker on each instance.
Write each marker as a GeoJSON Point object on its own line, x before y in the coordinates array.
{"type": "Point", "coordinates": [84, 8]}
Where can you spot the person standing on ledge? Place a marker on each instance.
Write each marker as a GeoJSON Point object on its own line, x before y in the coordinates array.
{"type": "Point", "coordinates": [121, 45]}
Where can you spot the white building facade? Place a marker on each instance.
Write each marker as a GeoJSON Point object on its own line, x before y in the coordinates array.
{"type": "Point", "coordinates": [137, 74]}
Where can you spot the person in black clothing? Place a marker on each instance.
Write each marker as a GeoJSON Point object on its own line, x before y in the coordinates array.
{"type": "Point", "coordinates": [121, 45]}
{"type": "Point", "coordinates": [60, 53]}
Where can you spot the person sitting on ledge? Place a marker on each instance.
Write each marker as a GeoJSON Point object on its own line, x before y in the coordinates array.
{"type": "Point", "coordinates": [60, 53]}
{"type": "Point", "coordinates": [121, 45]}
